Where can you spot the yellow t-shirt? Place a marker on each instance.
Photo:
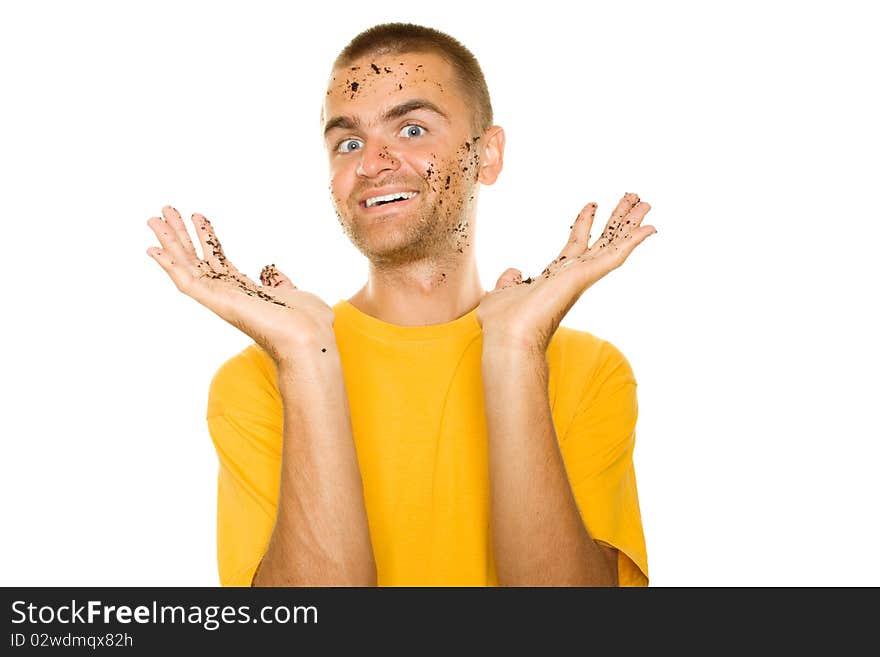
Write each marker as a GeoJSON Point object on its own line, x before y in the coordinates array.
{"type": "Point", "coordinates": [419, 427]}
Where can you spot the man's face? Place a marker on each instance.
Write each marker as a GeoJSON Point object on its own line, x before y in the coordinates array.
{"type": "Point", "coordinates": [398, 123]}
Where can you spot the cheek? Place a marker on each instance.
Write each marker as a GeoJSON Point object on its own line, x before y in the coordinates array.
{"type": "Point", "coordinates": [451, 176]}
{"type": "Point", "coordinates": [337, 188]}
{"type": "Point", "coordinates": [425, 165]}
{"type": "Point", "coordinates": [343, 175]}
{"type": "Point", "coordinates": [337, 166]}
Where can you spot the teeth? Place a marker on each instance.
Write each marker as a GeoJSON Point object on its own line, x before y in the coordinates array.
{"type": "Point", "coordinates": [389, 197]}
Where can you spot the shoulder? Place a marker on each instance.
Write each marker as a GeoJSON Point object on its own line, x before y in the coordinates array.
{"type": "Point", "coordinates": [246, 381]}
{"type": "Point", "coordinates": [586, 360]}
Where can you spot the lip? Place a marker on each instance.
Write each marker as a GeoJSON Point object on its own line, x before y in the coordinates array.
{"type": "Point", "coordinates": [387, 207]}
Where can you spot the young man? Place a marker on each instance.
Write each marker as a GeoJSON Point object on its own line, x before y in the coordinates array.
{"type": "Point", "coordinates": [424, 431]}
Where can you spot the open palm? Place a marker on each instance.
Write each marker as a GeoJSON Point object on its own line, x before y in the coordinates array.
{"type": "Point", "coordinates": [275, 314]}
{"type": "Point", "coordinates": [527, 312]}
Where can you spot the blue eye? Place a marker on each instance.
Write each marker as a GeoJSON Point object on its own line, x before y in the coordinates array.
{"type": "Point", "coordinates": [342, 145]}
{"type": "Point", "coordinates": [407, 130]}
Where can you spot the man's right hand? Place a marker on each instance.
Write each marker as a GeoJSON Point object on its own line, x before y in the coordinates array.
{"type": "Point", "coordinates": [330, 545]}
{"type": "Point", "coordinates": [276, 315]}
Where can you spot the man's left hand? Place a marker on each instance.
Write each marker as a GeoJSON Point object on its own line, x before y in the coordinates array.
{"type": "Point", "coordinates": [526, 313]}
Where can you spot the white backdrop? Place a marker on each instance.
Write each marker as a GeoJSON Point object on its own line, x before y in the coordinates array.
{"type": "Point", "coordinates": [748, 319]}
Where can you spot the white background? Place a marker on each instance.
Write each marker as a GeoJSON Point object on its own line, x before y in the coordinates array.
{"type": "Point", "coordinates": [749, 318]}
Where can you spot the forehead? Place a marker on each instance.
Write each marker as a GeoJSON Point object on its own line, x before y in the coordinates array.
{"type": "Point", "coordinates": [368, 86]}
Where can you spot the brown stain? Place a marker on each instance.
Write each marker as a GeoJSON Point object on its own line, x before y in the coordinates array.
{"type": "Point", "coordinates": [549, 269]}
{"type": "Point", "coordinates": [270, 276]}
{"type": "Point", "coordinates": [453, 176]}
{"type": "Point", "coordinates": [213, 242]}
{"type": "Point", "coordinates": [208, 271]}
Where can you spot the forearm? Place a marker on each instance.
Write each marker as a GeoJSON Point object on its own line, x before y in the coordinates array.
{"type": "Point", "coordinates": [538, 535]}
{"type": "Point", "coordinates": [321, 536]}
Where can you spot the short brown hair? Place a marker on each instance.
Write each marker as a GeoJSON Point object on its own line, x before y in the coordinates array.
{"type": "Point", "coordinates": [400, 38]}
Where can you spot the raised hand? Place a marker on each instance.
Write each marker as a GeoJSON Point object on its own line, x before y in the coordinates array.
{"type": "Point", "coordinates": [275, 314]}
{"type": "Point", "coordinates": [526, 313]}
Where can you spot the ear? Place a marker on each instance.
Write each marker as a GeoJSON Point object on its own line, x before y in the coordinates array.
{"type": "Point", "coordinates": [492, 155]}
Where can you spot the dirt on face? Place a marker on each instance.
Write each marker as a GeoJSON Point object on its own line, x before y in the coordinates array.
{"type": "Point", "coordinates": [439, 225]}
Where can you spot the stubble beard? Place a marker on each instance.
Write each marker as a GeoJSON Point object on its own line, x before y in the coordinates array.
{"type": "Point", "coordinates": [426, 236]}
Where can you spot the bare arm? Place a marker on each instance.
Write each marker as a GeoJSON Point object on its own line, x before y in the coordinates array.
{"type": "Point", "coordinates": [321, 536]}
{"type": "Point", "coordinates": [539, 536]}
{"type": "Point", "coordinates": [537, 532]}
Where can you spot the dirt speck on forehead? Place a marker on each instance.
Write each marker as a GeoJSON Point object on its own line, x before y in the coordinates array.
{"type": "Point", "coordinates": [358, 80]}
{"type": "Point", "coordinates": [351, 87]}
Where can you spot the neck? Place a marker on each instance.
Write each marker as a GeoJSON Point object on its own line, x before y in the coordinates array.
{"type": "Point", "coordinates": [421, 293]}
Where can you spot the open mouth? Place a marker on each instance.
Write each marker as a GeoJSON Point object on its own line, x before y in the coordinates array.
{"type": "Point", "coordinates": [388, 201]}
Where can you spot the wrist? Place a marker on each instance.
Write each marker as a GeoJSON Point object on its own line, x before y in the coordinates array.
{"type": "Point", "coordinates": [314, 349]}
{"type": "Point", "coordinates": [503, 359]}
{"type": "Point", "coordinates": [500, 346]}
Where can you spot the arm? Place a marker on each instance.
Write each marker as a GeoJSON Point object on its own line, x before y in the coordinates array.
{"type": "Point", "coordinates": [536, 525]}
{"type": "Point", "coordinates": [321, 536]}
{"type": "Point", "coordinates": [537, 532]}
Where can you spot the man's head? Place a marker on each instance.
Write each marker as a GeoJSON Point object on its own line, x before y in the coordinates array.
{"type": "Point", "coordinates": [407, 110]}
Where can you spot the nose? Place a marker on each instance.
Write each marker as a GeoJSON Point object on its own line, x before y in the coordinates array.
{"type": "Point", "coordinates": [375, 159]}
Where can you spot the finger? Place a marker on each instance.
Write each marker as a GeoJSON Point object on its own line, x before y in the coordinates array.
{"type": "Point", "coordinates": [633, 219]}
{"type": "Point", "coordinates": [173, 219]}
{"type": "Point", "coordinates": [612, 228]}
{"type": "Point", "coordinates": [178, 273]}
{"type": "Point", "coordinates": [509, 277]}
{"type": "Point", "coordinates": [271, 276]}
{"type": "Point", "coordinates": [631, 232]}
{"type": "Point", "coordinates": [193, 283]}
{"type": "Point", "coordinates": [578, 238]}
{"type": "Point", "coordinates": [212, 250]}
{"type": "Point", "coordinates": [621, 249]}
{"type": "Point", "coordinates": [170, 243]}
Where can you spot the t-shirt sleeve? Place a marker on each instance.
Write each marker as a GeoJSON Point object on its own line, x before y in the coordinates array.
{"type": "Point", "coordinates": [598, 448]}
{"type": "Point", "coordinates": [245, 423]}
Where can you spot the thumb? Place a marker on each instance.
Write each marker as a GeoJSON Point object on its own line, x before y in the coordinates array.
{"type": "Point", "coordinates": [510, 276]}
{"type": "Point", "coordinates": [271, 276]}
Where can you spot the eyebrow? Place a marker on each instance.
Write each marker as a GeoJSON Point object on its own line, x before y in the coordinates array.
{"type": "Point", "coordinates": [351, 123]}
